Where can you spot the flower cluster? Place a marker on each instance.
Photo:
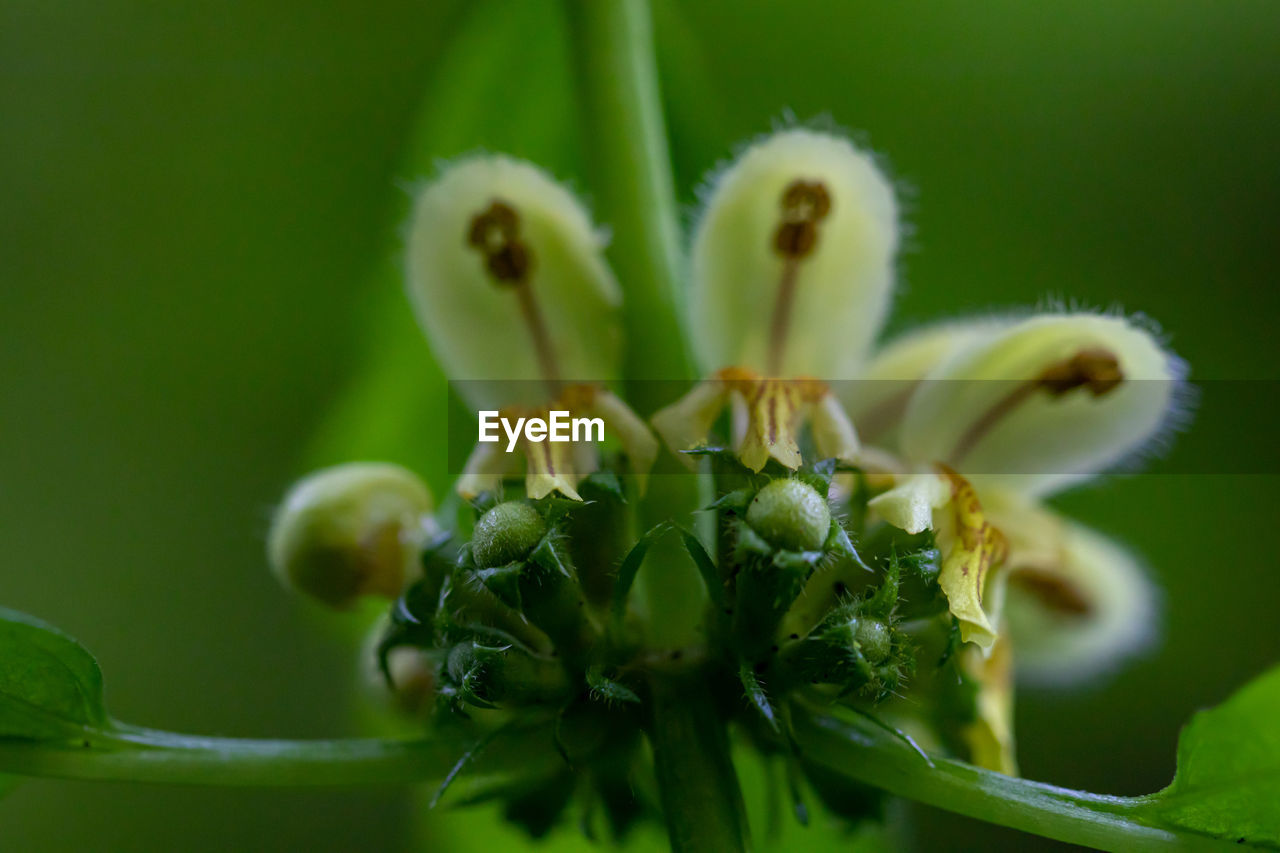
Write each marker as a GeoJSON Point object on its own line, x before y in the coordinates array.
{"type": "Point", "coordinates": [876, 520]}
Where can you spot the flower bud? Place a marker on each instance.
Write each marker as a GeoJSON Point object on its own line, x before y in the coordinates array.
{"type": "Point", "coordinates": [505, 534]}
{"type": "Point", "coordinates": [793, 258]}
{"type": "Point", "coordinates": [508, 278]}
{"type": "Point", "coordinates": [1048, 401]}
{"type": "Point", "coordinates": [349, 531]}
{"type": "Point", "coordinates": [790, 514]}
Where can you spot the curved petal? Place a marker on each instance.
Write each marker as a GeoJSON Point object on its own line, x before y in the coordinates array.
{"type": "Point", "coordinates": [798, 233]}
{"type": "Point", "coordinates": [1047, 402]}
{"type": "Point", "coordinates": [1076, 603]}
{"type": "Point", "coordinates": [878, 398]}
{"type": "Point", "coordinates": [508, 279]}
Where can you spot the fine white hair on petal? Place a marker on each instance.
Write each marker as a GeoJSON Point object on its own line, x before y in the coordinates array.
{"type": "Point", "coordinates": [1113, 620]}
{"type": "Point", "coordinates": [477, 327]}
{"type": "Point", "coordinates": [1046, 403]}
{"type": "Point", "coordinates": [843, 287]}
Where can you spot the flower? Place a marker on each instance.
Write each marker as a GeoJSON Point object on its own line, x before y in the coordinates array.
{"type": "Point", "coordinates": [508, 278]}
{"type": "Point", "coordinates": [969, 425]}
{"type": "Point", "coordinates": [792, 270]}
{"type": "Point", "coordinates": [1025, 408]}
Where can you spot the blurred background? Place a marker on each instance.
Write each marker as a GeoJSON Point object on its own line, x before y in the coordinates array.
{"type": "Point", "coordinates": [200, 299]}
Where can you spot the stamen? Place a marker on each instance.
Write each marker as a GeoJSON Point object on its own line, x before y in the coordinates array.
{"type": "Point", "coordinates": [495, 234]}
{"type": "Point", "coordinates": [1096, 370]}
{"type": "Point", "coordinates": [1054, 592]}
{"type": "Point", "coordinates": [804, 204]}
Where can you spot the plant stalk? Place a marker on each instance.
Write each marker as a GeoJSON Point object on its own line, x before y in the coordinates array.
{"type": "Point", "coordinates": [625, 140]}
{"type": "Point", "coordinates": [629, 162]}
{"type": "Point", "coordinates": [869, 755]}
{"type": "Point", "coordinates": [146, 755]}
{"type": "Point", "coordinates": [699, 787]}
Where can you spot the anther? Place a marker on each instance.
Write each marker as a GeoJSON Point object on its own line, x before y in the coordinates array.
{"type": "Point", "coordinates": [804, 204]}
{"type": "Point", "coordinates": [1095, 369]}
{"type": "Point", "coordinates": [495, 233]}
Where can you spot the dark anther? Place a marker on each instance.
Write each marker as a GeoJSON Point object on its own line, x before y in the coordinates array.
{"type": "Point", "coordinates": [1095, 369]}
{"type": "Point", "coordinates": [795, 239]}
{"type": "Point", "coordinates": [1053, 592]}
{"type": "Point", "coordinates": [805, 200]}
{"type": "Point", "coordinates": [510, 263]}
{"type": "Point", "coordinates": [804, 204]}
{"type": "Point", "coordinates": [495, 233]}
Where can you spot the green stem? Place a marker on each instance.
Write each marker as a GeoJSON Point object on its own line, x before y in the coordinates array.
{"type": "Point", "coordinates": [869, 755]}
{"type": "Point", "coordinates": [698, 784]}
{"type": "Point", "coordinates": [625, 141]}
{"type": "Point", "coordinates": [147, 755]}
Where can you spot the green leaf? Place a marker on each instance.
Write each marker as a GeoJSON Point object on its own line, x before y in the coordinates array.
{"type": "Point", "coordinates": [607, 690]}
{"type": "Point", "coordinates": [757, 696]}
{"type": "Point", "coordinates": [50, 687]}
{"type": "Point", "coordinates": [706, 566]}
{"type": "Point", "coordinates": [1228, 779]}
{"type": "Point", "coordinates": [630, 567]}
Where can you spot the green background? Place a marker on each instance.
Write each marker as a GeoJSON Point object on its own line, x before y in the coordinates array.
{"type": "Point", "coordinates": [199, 299]}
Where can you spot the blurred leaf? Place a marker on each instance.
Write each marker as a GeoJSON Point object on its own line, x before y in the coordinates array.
{"type": "Point", "coordinates": [50, 687]}
{"type": "Point", "coordinates": [629, 568]}
{"type": "Point", "coordinates": [1228, 779]}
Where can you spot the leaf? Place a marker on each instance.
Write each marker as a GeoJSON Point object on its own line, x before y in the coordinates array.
{"type": "Point", "coordinates": [550, 555]}
{"type": "Point", "coordinates": [1228, 779]}
{"type": "Point", "coordinates": [630, 567]}
{"type": "Point", "coordinates": [706, 567]}
{"type": "Point", "coordinates": [50, 687]}
{"type": "Point", "coordinates": [756, 694]}
{"type": "Point", "coordinates": [607, 690]}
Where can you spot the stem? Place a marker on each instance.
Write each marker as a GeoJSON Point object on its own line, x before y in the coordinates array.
{"type": "Point", "coordinates": [625, 141]}
{"type": "Point", "coordinates": [626, 145]}
{"type": "Point", "coordinates": [696, 778]}
{"type": "Point", "coordinates": [871, 756]}
{"type": "Point", "coordinates": [147, 755]}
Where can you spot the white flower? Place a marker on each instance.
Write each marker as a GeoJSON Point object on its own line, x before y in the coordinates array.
{"type": "Point", "coordinates": [792, 270]}
{"type": "Point", "coordinates": [508, 278]}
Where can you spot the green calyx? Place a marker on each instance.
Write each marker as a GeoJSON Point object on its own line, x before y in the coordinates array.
{"type": "Point", "coordinates": [790, 515]}
{"type": "Point", "coordinates": [506, 534]}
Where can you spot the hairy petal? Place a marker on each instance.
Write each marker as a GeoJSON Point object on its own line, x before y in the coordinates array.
{"type": "Point", "coordinates": [1049, 401]}
{"type": "Point", "coordinates": [842, 255]}
{"type": "Point", "coordinates": [1077, 604]}
{"type": "Point", "coordinates": [508, 279]}
{"type": "Point", "coordinates": [878, 398]}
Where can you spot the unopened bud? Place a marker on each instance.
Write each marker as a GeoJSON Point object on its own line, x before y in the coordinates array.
{"type": "Point", "coordinates": [349, 531]}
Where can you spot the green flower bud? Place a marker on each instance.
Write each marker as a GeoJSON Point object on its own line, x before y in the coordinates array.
{"type": "Point", "coordinates": [873, 639]}
{"type": "Point", "coordinates": [507, 276]}
{"type": "Point", "coordinates": [790, 515]}
{"type": "Point", "coordinates": [349, 531]}
{"type": "Point", "coordinates": [505, 534]}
